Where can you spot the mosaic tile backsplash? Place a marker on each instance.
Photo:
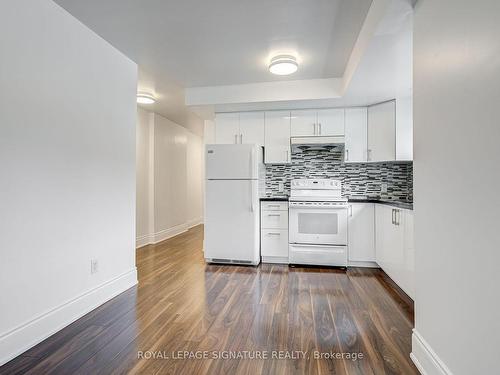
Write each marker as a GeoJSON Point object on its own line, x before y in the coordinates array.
{"type": "Point", "coordinates": [358, 179]}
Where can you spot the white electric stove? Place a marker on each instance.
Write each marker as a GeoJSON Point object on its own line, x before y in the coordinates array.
{"type": "Point", "coordinates": [318, 223]}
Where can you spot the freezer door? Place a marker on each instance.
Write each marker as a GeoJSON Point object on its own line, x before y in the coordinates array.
{"type": "Point", "coordinates": [232, 161]}
{"type": "Point", "coordinates": [232, 221]}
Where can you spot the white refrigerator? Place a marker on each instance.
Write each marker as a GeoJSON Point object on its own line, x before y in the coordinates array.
{"type": "Point", "coordinates": [234, 180]}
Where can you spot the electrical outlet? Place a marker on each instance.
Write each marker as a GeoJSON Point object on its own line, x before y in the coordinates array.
{"type": "Point", "coordinates": [94, 266]}
{"type": "Point", "coordinates": [383, 187]}
{"type": "Point", "coordinates": [281, 187]}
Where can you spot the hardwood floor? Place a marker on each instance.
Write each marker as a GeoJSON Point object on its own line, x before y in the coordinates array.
{"type": "Point", "coordinates": [181, 304]}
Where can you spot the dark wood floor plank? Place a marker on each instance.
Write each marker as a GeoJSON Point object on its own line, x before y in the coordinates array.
{"type": "Point", "coordinates": [181, 303]}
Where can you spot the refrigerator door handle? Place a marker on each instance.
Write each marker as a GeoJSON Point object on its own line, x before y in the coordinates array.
{"type": "Point", "coordinates": [252, 154]}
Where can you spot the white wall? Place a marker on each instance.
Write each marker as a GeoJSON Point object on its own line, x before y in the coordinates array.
{"type": "Point", "coordinates": [170, 178]}
{"type": "Point", "coordinates": [67, 151]}
{"type": "Point", "coordinates": [457, 179]}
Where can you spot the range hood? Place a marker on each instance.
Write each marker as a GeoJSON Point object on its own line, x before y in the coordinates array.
{"type": "Point", "coordinates": [317, 143]}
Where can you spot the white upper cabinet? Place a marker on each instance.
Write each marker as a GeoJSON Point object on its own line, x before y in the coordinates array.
{"type": "Point", "coordinates": [330, 122]}
{"type": "Point", "coordinates": [252, 128]}
{"type": "Point", "coordinates": [304, 123]}
{"type": "Point", "coordinates": [227, 128]}
{"type": "Point", "coordinates": [356, 135]}
{"type": "Point", "coordinates": [277, 137]}
{"type": "Point", "coordinates": [382, 132]}
{"type": "Point", "coordinates": [404, 128]}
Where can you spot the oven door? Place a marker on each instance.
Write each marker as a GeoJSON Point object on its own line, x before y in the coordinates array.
{"type": "Point", "coordinates": [317, 224]}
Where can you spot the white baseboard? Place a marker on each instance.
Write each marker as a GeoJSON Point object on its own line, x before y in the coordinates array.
{"type": "Point", "coordinates": [354, 263]}
{"type": "Point", "coordinates": [425, 359]}
{"type": "Point", "coordinates": [154, 238]}
{"type": "Point", "coordinates": [27, 335]}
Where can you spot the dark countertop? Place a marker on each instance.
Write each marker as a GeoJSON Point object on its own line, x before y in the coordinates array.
{"type": "Point", "coordinates": [397, 204]}
{"type": "Point", "coordinates": [280, 198]}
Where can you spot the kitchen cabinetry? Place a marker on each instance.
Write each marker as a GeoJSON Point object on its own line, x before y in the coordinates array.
{"type": "Point", "coordinates": [356, 134]}
{"type": "Point", "coordinates": [331, 122]}
{"type": "Point", "coordinates": [240, 128]}
{"type": "Point", "coordinates": [394, 245]}
{"type": "Point", "coordinates": [252, 128]}
{"type": "Point", "coordinates": [303, 123]}
{"type": "Point", "coordinates": [277, 137]}
{"type": "Point", "coordinates": [382, 132]}
{"type": "Point", "coordinates": [361, 233]}
{"type": "Point", "coordinates": [322, 122]}
{"type": "Point", "coordinates": [227, 128]}
{"type": "Point", "coordinates": [274, 232]}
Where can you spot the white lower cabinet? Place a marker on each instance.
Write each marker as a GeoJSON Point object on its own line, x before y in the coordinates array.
{"type": "Point", "coordinates": [361, 234]}
{"type": "Point", "coordinates": [394, 245]}
{"type": "Point", "coordinates": [274, 232]}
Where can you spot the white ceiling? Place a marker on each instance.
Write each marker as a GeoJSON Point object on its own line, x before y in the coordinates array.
{"type": "Point", "coordinates": [226, 42]}
{"type": "Point", "coordinates": [190, 43]}
{"type": "Point", "coordinates": [184, 45]}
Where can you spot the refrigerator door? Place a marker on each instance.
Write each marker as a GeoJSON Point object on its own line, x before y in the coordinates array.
{"type": "Point", "coordinates": [232, 222]}
{"type": "Point", "coordinates": [229, 162]}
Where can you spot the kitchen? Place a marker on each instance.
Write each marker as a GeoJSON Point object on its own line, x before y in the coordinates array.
{"type": "Point", "coordinates": [249, 187]}
{"type": "Point", "coordinates": [334, 185]}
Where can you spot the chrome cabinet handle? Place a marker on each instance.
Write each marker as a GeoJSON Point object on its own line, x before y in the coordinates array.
{"type": "Point", "coordinates": [273, 214]}
{"type": "Point", "coordinates": [287, 156]}
{"type": "Point", "coordinates": [398, 217]}
{"type": "Point", "coordinates": [369, 154]}
{"type": "Point", "coordinates": [273, 234]}
{"type": "Point", "coordinates": [393, 216]}
{"type": "Point", "coordinates": [347, 154]}
{"type": "Point", "coordinates": [350, 210]}
{"type": "Point", "coordinates": [274, 205]}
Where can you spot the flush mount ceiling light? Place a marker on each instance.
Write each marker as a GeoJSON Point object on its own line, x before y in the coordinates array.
{"type": "Point", "coordinates": [145, 98]}
{"type": "Point", "coordinates": [283, 65]}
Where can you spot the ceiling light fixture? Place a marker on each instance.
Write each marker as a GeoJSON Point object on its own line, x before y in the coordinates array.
{"type": "Point", "coordinates": [283, 65]}
{"type": "Point", "coordinates": [145, 98]}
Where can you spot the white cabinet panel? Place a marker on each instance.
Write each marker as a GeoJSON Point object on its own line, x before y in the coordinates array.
{"type": "Point", "coordinates": [356, 141]}
{"type": "Point", "coordinates": [274, 206]}
{"type": "Point", "coordinates": [361, 232]}
{"type": "Point", "coordinates": [277, 137]}
{"type": "Point", "coordinates": [274, 219]}
{"type": "Point", "coordinates": [394, 245]}
{"type": "Point", "coordinates": [274, 243]}
{"type": "Point", "coordinates": [404, 128]}
{"type": "Point", "coordinates": [303, 123]}
{"type": "Point", "coordinates": [382, 132]}
{"type": "Point", "coordinates": [331, 122]}
{"type": "Point", "coordinates": [227, 128]}
{"type": "Point", "coordinates": [274, 232]}
{"type": "Point", "coordinates": [252, 128]}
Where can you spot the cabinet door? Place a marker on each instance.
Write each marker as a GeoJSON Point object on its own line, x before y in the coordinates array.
{"type": "Point", "coordinates": [227, 128]}
{"type": "Point", "coordinates": [277, 137]}
{"type": "Point", "coordinates": [331, 122]}
{"type": "Point", "coordinates": [303, 123]}
{"type": "Point", "coordinates": [361, 232]}
{"type": "Point", "coordinates": [384, 235]}
{"type": "Point", "coordinates": [409, 253]}
{"type": "Point", "coordinates": [382, 132]}
{"type": "Point", "coordinates": [274, 243]}
{"type": "Point", "coordinates": [252, 128]}
{"type": "Point", "coordinates": [404, 128]}
{"type": "Point", "coordinates": [356, 140]}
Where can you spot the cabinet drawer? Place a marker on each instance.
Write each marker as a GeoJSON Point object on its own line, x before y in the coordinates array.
{"type": "Point", "coordinates": [274, 206]}
{"type": "Point", "coordinates": [274, 220]}
{"type": "Point", "coordinates": [274, 243]}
